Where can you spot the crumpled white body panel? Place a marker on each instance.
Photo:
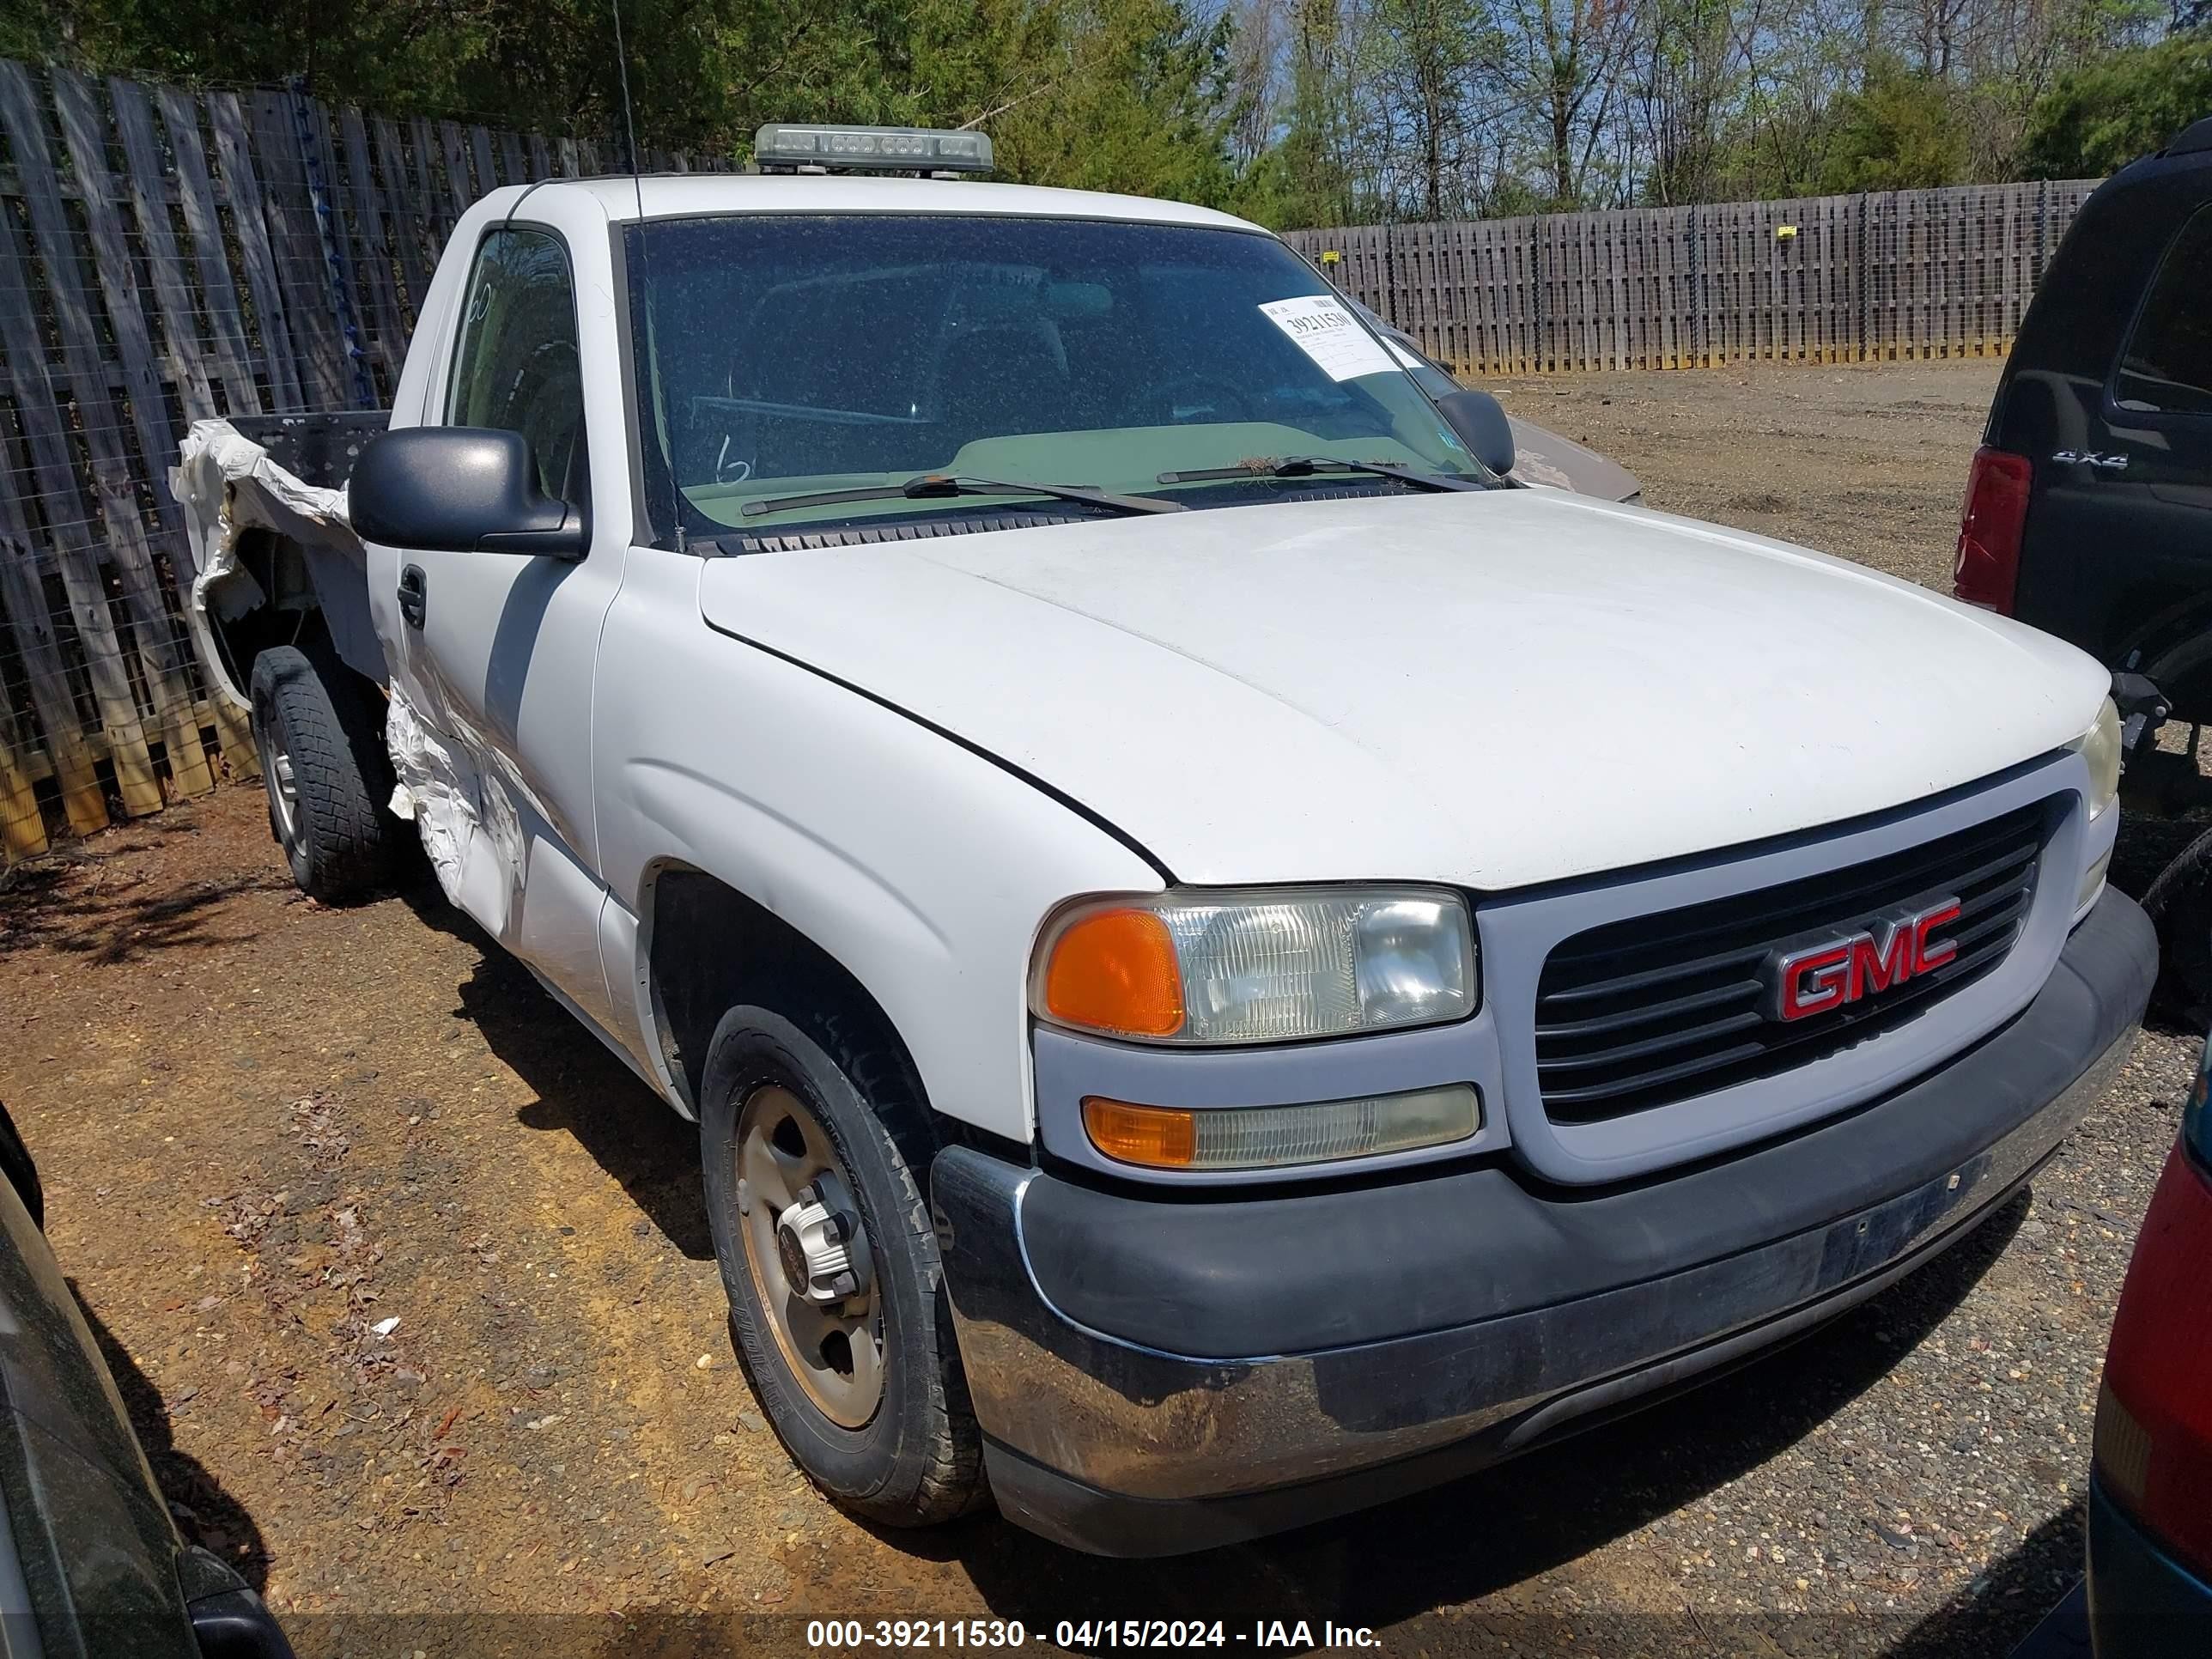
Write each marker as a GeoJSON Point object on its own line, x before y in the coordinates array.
{"type": "Point", "coordinates": [466, 819]}
{"type": "Point", "coordinates": [226, 483]}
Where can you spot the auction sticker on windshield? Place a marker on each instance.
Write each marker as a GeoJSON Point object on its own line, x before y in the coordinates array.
{"type": "Point", "coordinates": [1330, 335]}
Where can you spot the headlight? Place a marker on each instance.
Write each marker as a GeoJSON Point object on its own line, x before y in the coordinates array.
{"type": "Point", "coordinates": [1265, 965]}
{"type": "Point", "coordinates": [2101, 746]}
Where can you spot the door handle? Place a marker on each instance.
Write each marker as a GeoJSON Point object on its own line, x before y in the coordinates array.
{"type": "Point", "coordinates": [414, 595]}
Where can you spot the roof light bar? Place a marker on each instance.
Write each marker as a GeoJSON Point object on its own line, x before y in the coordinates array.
{"type": "Point", "coordinates": [903, 150]}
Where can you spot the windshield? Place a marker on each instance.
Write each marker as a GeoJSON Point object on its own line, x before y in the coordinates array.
{"type": "Point", "coordinates": [783, 357]}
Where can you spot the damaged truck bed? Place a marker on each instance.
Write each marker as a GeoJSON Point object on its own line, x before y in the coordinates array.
{"type": "Point", "coordinates": [275, 562]}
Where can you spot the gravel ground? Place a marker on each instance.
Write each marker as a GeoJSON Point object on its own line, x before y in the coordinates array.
{"type": "Point", "coordinates": [267, 1126]}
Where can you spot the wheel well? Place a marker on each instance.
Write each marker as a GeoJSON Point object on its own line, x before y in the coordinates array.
{"type": "Point", "coordinates": [712, 948]}
{"type": "Point", "coordinates": [285, 612]}
{"type": "Point", "coordinates": [2176, 652]}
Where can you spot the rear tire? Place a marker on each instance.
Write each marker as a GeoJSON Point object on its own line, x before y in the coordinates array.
{"type": "Point", "coordinates": [844, 1116]}
{"type": "Point", "coordinates": [320, 735]}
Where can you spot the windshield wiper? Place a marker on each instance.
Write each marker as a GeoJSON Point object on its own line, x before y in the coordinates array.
{"type": "Point", "coordinates": [933, 486]}
{"type": "Point", "coordinates": [1305, 466]}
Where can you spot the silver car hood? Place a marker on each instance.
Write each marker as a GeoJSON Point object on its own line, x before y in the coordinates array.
{"type": "Point", "coordinates": [1542, 456]}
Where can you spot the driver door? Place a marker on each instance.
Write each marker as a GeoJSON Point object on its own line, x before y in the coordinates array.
{"type": "Point", "coordinates": [497, 649]}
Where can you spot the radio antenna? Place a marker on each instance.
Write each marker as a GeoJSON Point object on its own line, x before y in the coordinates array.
{"type": "Point", "coordinates": [645, 272]}
{"type": "Point", "coordinates": [629, 118]}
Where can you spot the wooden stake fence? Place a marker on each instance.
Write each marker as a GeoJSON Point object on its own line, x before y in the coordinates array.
{"type": "Point", "coordinates": [168, 255]}
{"type": "Point", "coordinates": [1825, 279]}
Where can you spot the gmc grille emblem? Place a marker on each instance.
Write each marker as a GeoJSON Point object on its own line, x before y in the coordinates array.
{"type": "Point", "coordinates": [1802, 979]}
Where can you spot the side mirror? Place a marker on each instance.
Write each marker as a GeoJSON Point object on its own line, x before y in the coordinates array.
{"type": "Point", "coordinates": [462, 488]}
{"type": "Point", "coordinates": [1480, 423]}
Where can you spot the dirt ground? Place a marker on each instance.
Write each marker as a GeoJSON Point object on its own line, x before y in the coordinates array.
{"type": "Point", "coordinates": [1867, 462]}
{"type": "Point", "coordinates": [270, 1127]}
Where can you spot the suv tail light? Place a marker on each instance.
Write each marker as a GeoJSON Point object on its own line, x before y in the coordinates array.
{"type": "Point", "coordinates": [2153, 1440]}
{"type": "Point", "coordinates": [1987, 563]}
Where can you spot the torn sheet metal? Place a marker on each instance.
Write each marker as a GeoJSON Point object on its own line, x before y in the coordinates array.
{"type": "Point", "coordinates": [467, 820]}
{"type": "Point", "coordinates": [226, 483]}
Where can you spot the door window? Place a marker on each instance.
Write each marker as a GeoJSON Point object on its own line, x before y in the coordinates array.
{"type": "Point", "coordinates": [517, 368]}
{"type": "Point", "coordinates": [2167, 366]}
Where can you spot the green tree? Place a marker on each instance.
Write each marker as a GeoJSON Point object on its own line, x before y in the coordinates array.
{"type": "Point", "coordinates": [1120, 95]}
{"type": "Point", "coordinates": [1108, 94]}
{"type": "Point", "coordinates": [1684, 77]}
{"type": "Point", "coordinates": [1307, 179]}
{"type": "Point", "coordinates": [1428, 50]}
{"type": "Point", "coordinates": [2102, 116]}
{"type": "Point", "coordinates": [1904, 130]}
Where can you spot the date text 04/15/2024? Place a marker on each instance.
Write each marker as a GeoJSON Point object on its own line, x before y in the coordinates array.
{"type": "Point", "coordinates": [1299, 1634]}
{"type": "Point", "coordinates": [1085, 1634]}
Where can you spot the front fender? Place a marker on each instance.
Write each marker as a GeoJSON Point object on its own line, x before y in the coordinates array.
{"type": "Point", "coordinates": [923, 868]}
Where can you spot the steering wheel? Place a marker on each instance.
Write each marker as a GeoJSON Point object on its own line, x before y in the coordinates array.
{"type": "Point", "coordinates": [1214, 390]}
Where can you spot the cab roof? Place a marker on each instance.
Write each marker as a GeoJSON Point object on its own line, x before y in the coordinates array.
{"type": "Point", "coordinates": [693, 195]}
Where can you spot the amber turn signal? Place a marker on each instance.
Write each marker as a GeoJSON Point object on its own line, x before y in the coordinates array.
{"type": "Point", "coordinates": [1114, 970]}
{"type": "Point", "coordinates": [1281, 1137]}
{"type": "Point", "coordinates": [1157, 1137]}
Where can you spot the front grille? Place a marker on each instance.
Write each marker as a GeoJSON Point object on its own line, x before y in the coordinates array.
{"type": "Point", "coordinates": [1657, 1009]}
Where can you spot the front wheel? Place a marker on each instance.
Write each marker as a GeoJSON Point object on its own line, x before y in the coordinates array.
{"type": "Point", "coordinates": [815, 1141]}
{"type": "Point", "coordinates": [2180, 903]}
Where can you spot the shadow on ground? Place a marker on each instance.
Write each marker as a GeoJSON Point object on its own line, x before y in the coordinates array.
{"type": "Point", "coordinates": [583, 1090]}
{"type": "Point", "coordinates": [2003, 1605]}
{"type": "Point", "coordinates": [205, 1513]}
{"type": "Point", "coordinates": [77, 902]}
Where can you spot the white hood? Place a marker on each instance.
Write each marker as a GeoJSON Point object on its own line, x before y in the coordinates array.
{"type": "Point", "coordinates": [1490, 689]}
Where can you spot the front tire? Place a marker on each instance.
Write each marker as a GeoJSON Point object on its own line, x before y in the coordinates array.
{"type": "Point", "coordinates": [320, 741]}
{"type": "Point", "coordinates": [2179, 904]}
{"type": "Point", "coordinates": [816, 1141]}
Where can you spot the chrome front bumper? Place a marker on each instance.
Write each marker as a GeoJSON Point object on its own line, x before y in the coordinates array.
{"type": "Point", "coordinates": [1093, 1324]}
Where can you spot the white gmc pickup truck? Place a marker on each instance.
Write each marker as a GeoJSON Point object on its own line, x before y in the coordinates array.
{"type": "Point", "coordinates": [1011, 709]}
